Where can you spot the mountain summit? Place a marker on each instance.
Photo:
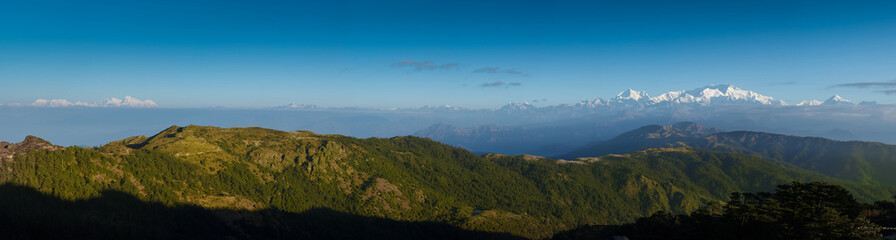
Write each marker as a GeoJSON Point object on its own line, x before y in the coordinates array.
{"type": "Point", "coordinates": [837, 100]}
{"type": "Point", "coordinates": [8, 150]}
{"type": "Point", "coordinates": [630, 96]}
{"type": "Point", "coordinates": [643, 138]}
{"type": "Point", "coordinates": [723, 94]}
{"type": "Point", "coordinates": [677, 130]}
{"type": "Point", "coordinates": [710, 95]}
{"type": "Point", "coordinates": [517, 106]}
{"type": "Point", "coordinates": [716, 94]}
{"type": "Point", "coordinates": [832, 101]}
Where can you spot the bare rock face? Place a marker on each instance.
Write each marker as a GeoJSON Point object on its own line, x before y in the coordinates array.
{"type": "Point", "coordinates": [8, 150]}
{"type": "Point", "coordinates": [5, 149]}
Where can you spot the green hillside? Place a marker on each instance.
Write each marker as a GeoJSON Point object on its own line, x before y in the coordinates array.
{"type": "Point", "coordinates": [405, 179]}
{"type": "Point", "coordinates": [863, 162]}
{"type": "Point", "coordinates": [813, 210]}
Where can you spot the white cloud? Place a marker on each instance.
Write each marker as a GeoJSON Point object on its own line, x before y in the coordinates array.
{"type": "Point", "coordinates": [60, 103]}
{"type": "Point", "coordinates": [128, 101]}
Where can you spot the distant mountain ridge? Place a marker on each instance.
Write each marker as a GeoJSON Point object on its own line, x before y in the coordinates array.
{"type": "Point", "coordinates": [538, 140]}
{"type": "Point", "coordinates": [866, 162]}
{"type": "Point", "coordinates": [678, 130]}
{"type": "Point", "coordinates": [711, 95]}
{"type": "Point", "coordinates": [650, 136]}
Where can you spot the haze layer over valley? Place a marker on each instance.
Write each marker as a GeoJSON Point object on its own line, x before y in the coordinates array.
{"type": "Point", "coordinates": [515, 128]}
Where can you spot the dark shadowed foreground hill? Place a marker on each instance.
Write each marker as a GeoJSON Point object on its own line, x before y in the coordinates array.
{"type": "Point", "coordinates": [272, 177]}
{"type": "Point", "coordinates": [28, 214]}
{"type": "Point", "coordinates": [864, 162]}
{"type": "Point", "coordinates": [797, 210]}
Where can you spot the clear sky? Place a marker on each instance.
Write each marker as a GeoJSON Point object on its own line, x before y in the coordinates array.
{"type": "Point", "coordinates": [474, 54]}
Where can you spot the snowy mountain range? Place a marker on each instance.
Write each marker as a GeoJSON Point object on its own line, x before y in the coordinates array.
{"type": "Point", "coordinates": [630, 99]}
{"type": "Point", "coordinates": [712, 95]}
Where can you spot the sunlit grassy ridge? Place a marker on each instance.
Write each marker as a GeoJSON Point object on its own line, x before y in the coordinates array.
{"type": "Point", "coordinates": [401, 178]}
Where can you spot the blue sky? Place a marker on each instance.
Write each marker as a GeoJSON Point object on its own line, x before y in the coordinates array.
{"type": "Point", "coordinates": [474, 54]}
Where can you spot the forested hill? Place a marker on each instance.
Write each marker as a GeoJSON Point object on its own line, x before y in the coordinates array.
{"type": "Point", "coordinates": [864, 162]}
{"type": "Point", "coordinates": [405, 179]}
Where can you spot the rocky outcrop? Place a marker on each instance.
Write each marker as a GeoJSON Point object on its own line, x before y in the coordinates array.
{"type": "Point", "coordinates": [8, 150]}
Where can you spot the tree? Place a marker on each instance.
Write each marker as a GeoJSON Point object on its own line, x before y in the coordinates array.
{"type": "Point", "coordinates": [813, 210]}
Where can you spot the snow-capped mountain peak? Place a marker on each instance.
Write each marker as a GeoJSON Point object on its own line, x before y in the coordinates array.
{"type": "Point", "coordinates": [517, 106]}
{"type": "Point", "coordinates": [299, 106]}
{"type": "Point", "coordinates": [710, 95]}
{"type": "Point", "coordinates": [596, 102]}
{"type": "Point", "coordinates": [722, 94]}
{"type": "Point", "coordinates": [668, 97]}
{"type": "Point", "coordinates": [837, 100]}
{"type": "Point", "coordinates": [631, 95]}
{"type": "Point", "coordinates": [810, 103]}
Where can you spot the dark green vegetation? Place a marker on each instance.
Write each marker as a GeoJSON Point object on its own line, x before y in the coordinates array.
{"type": "Point", "coordinates": [863, 162]}
{"type": "Point", "coordinates": [793, 211]}
{"type": "Point", "coordinates": [28, 214]}
{"type": "Point", "coordinates": [273, 180]}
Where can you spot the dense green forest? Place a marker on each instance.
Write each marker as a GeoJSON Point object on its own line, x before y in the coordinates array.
{"type": "Point", "coordinates": [812, 210]}
{"type": "Point", "coordinates": [398, 180]}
